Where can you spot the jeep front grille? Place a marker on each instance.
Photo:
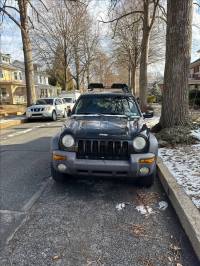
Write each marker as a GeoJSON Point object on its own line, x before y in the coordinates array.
{"type": "Point", "coordinates": [102, 149]}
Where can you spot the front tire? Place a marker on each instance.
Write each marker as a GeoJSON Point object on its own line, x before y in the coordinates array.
{"type": "Point", "coordinates": [57, 176]}
{"type": "Point", "coordinates": [65, 114]}
{"type": "Point", "coordinates": [54, 116]}
{"type": "Point", "coordinates": [146, 181]}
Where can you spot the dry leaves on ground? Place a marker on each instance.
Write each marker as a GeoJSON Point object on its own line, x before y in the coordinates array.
{"type": "Point", "coordinates": [146, 262]}
{"type": "Point", "coordinates": [147, 198]}
{"type": "Point", "coordinates": [138, 230]}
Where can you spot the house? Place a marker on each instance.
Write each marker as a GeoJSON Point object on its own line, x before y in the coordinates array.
{"type": "Point", "coordinates": [194, 75]}
{"type": "Point", "coordinates": [41, 79]}
{"type": "Point", "coordinates": [12, 85]}
{"type": "Point", "coordinates": [13, 82]}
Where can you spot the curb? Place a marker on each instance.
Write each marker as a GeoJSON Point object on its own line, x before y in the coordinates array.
{"type": "Point", "coordinates": [188, 214]}
{"type": "Point", "coordinates": [12, 123]}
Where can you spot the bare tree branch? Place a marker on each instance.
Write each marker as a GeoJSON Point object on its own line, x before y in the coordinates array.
{"type": "Point", "coordinates": [122, 16]}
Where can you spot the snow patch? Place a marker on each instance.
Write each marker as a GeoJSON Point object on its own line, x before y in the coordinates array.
{"type": "Point", "coordinates": [196, 133]}
{"type": "Point", "coordinates": [184, 164]}
{"type": "Point", "coordinates": [144, 209]}
{"type": "Point", "coordinates": [163, 205]}
{"type": "Point", "coordinates": [120, 206]}
{"type": "Point", "coordinates": [150, 122]}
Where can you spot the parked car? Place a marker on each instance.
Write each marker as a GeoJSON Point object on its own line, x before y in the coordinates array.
{"type": "Point", "coordinates": [47, 108]}
{"type": "Point", "coordinates": [70, 99]}
{"type": "Point", "coordinates": [105, 135]}
{"type": "Point", "coordinates": [69, 102]}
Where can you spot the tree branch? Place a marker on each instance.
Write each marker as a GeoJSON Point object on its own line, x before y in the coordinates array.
{"type": "Point", "coordinates": [122, 16]}
{"type": "Point", "coordinates": [156, 2]}
{"type": "Point", "coordinates": [12, 7]}
{"type": "Point", "coordinates": [195, 3]}
{"type": "Point", "coordinates": [11, 17]}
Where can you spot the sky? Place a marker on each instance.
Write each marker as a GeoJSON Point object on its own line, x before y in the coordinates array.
{"type": "Point", "coordinates": [10, 41]}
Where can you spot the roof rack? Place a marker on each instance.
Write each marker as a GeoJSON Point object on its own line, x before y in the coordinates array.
{"type": "Point", "coordinates": [115, 88]}
{"type": "Point", "coordinates": [124, 87]}
{"type": "Point", "coordinates": [93, 86]}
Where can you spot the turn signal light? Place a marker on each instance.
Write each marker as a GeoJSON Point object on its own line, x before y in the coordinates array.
{"type": "Point", "coordinates": [57, 157]}
{"type": "Point", "coordinates": [149, 160]}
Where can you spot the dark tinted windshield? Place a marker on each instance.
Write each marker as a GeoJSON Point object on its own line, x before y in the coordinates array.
{"type": "Point", "coordinates": [110, 105]}
{"type": "Point", "coordinates": [68, 100]}
{"type": "Point", "coordinates": [44, 101]}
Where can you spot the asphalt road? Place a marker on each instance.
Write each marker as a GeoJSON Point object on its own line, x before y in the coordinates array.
{"type": "Point", "coordinates": [77, 223]}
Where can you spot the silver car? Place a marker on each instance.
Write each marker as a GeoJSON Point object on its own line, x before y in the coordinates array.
{"type": "Point", "coordinates": [49, 108]}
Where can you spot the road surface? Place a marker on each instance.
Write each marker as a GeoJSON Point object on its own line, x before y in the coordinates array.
{"type": "Point", "coordinates": [80, 222]}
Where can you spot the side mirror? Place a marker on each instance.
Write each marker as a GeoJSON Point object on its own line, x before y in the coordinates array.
{"type": "Point", "coordinates": [148, 114]}
{"type": "Point", "coordinates": [69, 112]}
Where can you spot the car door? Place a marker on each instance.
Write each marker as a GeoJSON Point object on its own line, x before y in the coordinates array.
{"type": "Point", "coordinates": [63, 106]}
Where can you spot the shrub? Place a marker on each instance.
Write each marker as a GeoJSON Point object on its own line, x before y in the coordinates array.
{"type": "Point", "coordinates": [151, 99]}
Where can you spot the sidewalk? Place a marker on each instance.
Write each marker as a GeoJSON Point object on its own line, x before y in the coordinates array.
{"type": "Point", "coordinates": [10, 121]}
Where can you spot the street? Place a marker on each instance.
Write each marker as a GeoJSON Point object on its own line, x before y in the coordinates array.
{"type": "Point", "coordinates": [77, 223]}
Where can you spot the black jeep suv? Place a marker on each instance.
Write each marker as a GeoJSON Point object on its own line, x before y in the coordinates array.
{"type": "Point", "coordinates": [105, 135]}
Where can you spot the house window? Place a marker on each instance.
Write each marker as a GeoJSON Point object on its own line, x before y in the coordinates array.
{"type": "Point", "coordinates": [196, 69]}
{"type": "Point", "coordinates": [20, 75]}
{"type": "Point", "coordinates": [40, 79]}
{"type": "Point", "coordinates": [15, 75]}
{"type": "Point", "coordinates": [3, 92]}
{"type": "Point", "coordinates": [1, 74]}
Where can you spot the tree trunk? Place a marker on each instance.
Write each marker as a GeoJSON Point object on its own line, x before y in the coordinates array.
{"type": "Point", "coordinates": [27, 49]}
{"type": "Point", "coordinates": [175, 107]}
{"type": "Point", "coordinates": [65, 64]}
{"type": "Point", "coordinates": [133, 79]}
{"type": "Point", "coordinates": [144, 57]}
{"type": "Point", "coordinates": [88, 74]}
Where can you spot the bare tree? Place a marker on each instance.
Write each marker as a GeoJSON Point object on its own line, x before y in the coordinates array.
{"type": "Point", "coordinates": [21, 9]}
{"type": "Point", "coordinates": [148, 11]}
{"type": "Point", "coordinates": [127, 46]}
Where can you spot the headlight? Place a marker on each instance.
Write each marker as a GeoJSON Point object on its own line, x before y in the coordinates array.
{"type": "Point", "coordinates": [47, 108]}
{"type": "Point", "coordinates": [67, 141]}
{"type": "Point", "coordinates": [139, 143]}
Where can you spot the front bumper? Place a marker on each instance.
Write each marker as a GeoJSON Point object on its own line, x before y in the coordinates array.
{"type": "Point", "coordinates": [110, 168]}
{"type": "Point", "coordinates": [43, 114]}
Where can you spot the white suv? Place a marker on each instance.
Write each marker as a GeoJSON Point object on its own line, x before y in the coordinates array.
{"type": "Point", "coordinates": [47, 108]}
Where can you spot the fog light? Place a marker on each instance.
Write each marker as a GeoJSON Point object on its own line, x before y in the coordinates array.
{"type": "Point", "coordinates": [62, 167]}
{"type": "Point", "coordinates": [144, 170]}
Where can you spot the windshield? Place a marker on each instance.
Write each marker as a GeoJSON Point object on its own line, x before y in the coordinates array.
{"type": "Point", "coordinates": [68, 100]}
{"type": "Point", "coordinates": [108, 105]}
{"type": "Point", "coordinates": [44, 101]}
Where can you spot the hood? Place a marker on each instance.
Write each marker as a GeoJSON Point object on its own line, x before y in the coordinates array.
{"type": "Point", "coordinates": [40, 106]}
{"type": "Point", "coordinates": [105, 127]}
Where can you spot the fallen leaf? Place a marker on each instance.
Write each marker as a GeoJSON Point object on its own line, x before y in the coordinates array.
{"type": "Point", "coordinates": [138, 230]}
{"type": "Point", "coordinates": [56, 257]}
{"type": "Point", "coordinates": [174, 247]}
{"type": "Point", "coordinates": [169, 259]}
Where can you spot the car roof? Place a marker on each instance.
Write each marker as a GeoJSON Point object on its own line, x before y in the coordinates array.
{"type": "Point", "coordinates": [106, 93]}
{"type": "Point", "coordinates": [49, 98]}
